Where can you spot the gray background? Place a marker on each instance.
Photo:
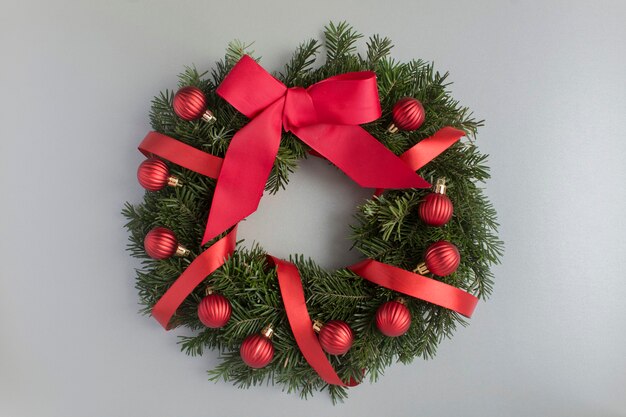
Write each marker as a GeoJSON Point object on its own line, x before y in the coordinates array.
{"type": "Point", "coordinates": [76, 81]}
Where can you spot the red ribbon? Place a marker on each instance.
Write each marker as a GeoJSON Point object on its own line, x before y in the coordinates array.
{"type": "Point", "coordinates": [416, 286]}
{"type": "Point", "coordinates": [429, 148]}
{"type": "Point", "coordinates": [181, 154]}
{"type": "Point", "coordinates": [292, 294]}
{"type": "Point", "coordinates": [325, 116]}
{"type": "Point", "coordinates": [208, 261]}
{"type": "Point", "coordinates": [205, 264]}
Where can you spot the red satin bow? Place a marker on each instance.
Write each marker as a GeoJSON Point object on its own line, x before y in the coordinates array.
{"type": "Point", "coordinates": [325, 116]}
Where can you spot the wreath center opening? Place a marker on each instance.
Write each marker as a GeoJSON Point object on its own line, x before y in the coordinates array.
{"type": "Point", "coordinates": [312, 216]}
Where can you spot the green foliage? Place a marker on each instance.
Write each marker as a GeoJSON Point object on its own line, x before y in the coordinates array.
{"type": "Point", "coordinates": [340, 41]}
{"type": "Point", "coordinates": [387, 228]}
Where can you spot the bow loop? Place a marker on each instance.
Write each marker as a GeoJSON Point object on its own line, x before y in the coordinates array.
{"type": "Point", "coordinates": [347, 99]}
{"type": "Point", "coordinates": [249, 88]}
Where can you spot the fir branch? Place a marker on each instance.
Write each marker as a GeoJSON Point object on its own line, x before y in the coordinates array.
{"type": "Point", "coordinates": [191, 77]}
{"type": "Point", "coordinates": [377, 49]}
{"type": "Point", "coordinates": [236, 50]}
{"type": "Point", "coordinates": [300, 64]}
{"type": "Point", "coordinates": [340, 40]}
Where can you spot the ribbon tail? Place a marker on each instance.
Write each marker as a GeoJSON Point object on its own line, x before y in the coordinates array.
{"type": "Point", "coordinates": [360, 156]}
{"type": "Point", "coordinates": [186, 156]}
{"type": "Point", "coordinates": [417, 286]}
{"type": "Point", "coordinates": [246, 167]}
{"type": "Point", "coordinates": [428, 149]}
{"type": "Point", "coordinates": [205, 264]}
{"type": "Point", "coordinates": [292, 294]}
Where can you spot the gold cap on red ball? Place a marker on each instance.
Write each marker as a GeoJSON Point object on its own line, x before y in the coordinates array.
{"type": "Point", "coordinates": [161, 243]}
{"type": "Point", "coordinates": [214, 311]}
{"type": "Point", "coordinates": [393, 318]}
{"type": "Point", "coordinates": [436, 209]}
{"type": "Point", "coordinates": [408, 114]}
{"type": "Point", "coordinates": [190, 104]}
{"type": "Point", "coordinates": [440, 186]}
{"type": "Point", "coordinates": [336, 337]}
{"type": "Point", "coordinates": [153, 175]}
{"type": "Point", "coordinates": [442, 258]}
{"type": "Point", "coordinates": [257, 350]}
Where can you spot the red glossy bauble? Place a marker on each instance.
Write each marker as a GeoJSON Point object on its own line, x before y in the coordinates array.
{"type": "Point", "coordinates": [214, 311]}
{"type": "Point", "coordinates": [161, 243]}
{"type": "Point", "coordinates": [257, 351]}
{"type": "Point", "coordinates": [436, 209]}
{"type": "Point", "coordinates": [442, 258]}
{"type": "Point", "coordinates": [408, 114]}
{"type": "Point", "coordinates": [153, 175]}
{"type": "Point", "coordinates": [190, 104]}
{"type": "Point", "coordinates": [336, 337]}
{"type": "Point", "coordinates": [393, 319]}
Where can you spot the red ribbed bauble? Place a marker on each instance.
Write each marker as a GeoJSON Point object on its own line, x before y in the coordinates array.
{"type": "Point", "coordinates": [153, 175]}
{"type": "Point", "coordinates": [257, 350]}
{"type": "Point", "coordinates": [161, 243]}
{"type": "Point", "coordinates": [190, 104]}
{"type": "Point", "coordinates": [336, 337]}
{"type": "Point", "coordinates": [442, 258]}
{"type": "Point", "coordinates": [408, 114]}
{"type": "Point", "coordinates": [393, 319]}
{"type": "Point", "coordinates": [214, 311]}
{"type": "Point", "coordinates": [436, 209]}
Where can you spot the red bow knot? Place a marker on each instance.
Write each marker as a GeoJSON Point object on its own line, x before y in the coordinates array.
{"type": "Point", "coordinates": [326, 116]}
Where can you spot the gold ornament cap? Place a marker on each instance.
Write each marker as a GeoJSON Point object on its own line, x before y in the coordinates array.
{"type": "Point", "coordinates": [268, 331]}
{"type": "Point", "coordinates": [317, 325]}
{"type": "Point", "coordinates": [400, 300]}
{"type": "Point", "coordinates": [182, 251]}
{"type": "Point", "coordinates": [208, 116]}
{"type": "Point", "coordinates": [392, 128]}
{"type": "Point", "coordinates": [421, 269]}
{"type": "Point", "coordinates": [174, 182]}
{"type": "Point", "coordinates": [440, 186]}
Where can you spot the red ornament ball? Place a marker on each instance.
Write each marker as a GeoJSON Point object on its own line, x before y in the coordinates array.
{"type": "Point", "coordinates": [436, 209]}
{"type": "Point", "coordinates": [442, 258]}
{"type": "Point", "coordinates": [257, 351]}
{"type": "Point", "coordinates": [408, 114]}
{"type": "Point", "coordinates": [153, 175]}
{"type": "Point", "coordinates": [336, 337]}
{"type": "Point", "coordinates": [160, 243]}
{"type": "Point", "coordinates": [393, 319]}
{"type": "Point", "coordinates": [190, 104]}
{"type": "Point", "coordinates": [214, 311]}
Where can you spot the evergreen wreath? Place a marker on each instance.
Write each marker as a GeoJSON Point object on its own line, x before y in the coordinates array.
{"type": "Point", "coordinates": [388, 227]}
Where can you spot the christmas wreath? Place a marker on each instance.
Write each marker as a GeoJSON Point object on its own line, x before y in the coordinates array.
{"type": "Point", "coordinates": [388, 125]}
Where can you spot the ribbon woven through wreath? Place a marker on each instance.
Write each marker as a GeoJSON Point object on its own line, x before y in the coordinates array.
{"type": "Point", "coordinates": [209, 165]}
{"type": "Point", "coordinates": [300, 322]}
{"type": "Point", "coordinates": [326, 116]}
